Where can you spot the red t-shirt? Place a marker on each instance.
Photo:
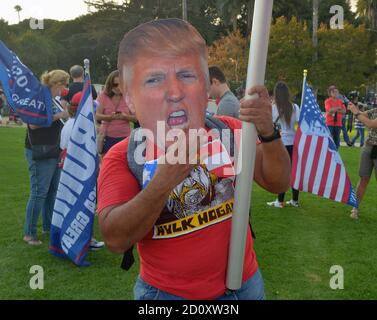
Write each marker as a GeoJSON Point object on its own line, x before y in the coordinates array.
{"type": "Point", "coordinates": [331, 119]}
{"type": "Point", "coordinates": [193, 264]}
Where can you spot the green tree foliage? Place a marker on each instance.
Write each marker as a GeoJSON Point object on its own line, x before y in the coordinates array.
{"type": "Point", "coordinates": [202, 14]}
{"type": "Point", "coordinates": [301, 9]}
{"type": "Point", "coordinates": [324, 11]}
{"type": "Point", "coordinates": [367, 13]}
{"type": "Point", "coordinates": [37, 51]}
{"type": "Point", "coordinates": [290, 52]}
{"type": "Point", "coordinates": [346, 58]}
{"type": "Point", "coordinates": [229, 11]}
{"type": "Point", "coordinates": [5, 33]}
{"type": "Point", "coordinates": [230, 53]}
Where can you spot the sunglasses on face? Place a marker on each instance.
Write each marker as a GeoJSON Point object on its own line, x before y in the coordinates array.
{"type": "Point", "coordinates": [115, 85]}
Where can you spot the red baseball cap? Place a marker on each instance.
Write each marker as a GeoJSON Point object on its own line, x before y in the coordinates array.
{"type": "Point", "coordinates": [75, 101]}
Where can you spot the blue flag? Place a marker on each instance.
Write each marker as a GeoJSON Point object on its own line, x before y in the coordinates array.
{"type": "Point", "coordinates": [72, 220]}
{"type": "Point", "coordinates": [25, 94]}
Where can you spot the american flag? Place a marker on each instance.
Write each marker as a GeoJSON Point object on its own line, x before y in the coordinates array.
{"type": "Point", "coordinates": [316, 165]}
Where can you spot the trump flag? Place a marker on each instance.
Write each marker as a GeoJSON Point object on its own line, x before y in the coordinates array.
{"type": "Point", "coordinates": [31, 100]}
{"type": "Point", "coordinates": [72, 220]}
{"type": "Point", "coordinates": [316, 164]}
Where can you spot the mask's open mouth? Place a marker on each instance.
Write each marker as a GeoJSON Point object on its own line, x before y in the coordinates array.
{"type": "Point", "coordinates": [177, 118]}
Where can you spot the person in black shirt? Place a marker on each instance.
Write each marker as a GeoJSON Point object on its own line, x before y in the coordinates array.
{"type": "Point", "coordinates": [77, 75]}
{"type": "Point", "coordinates": [44, 174]}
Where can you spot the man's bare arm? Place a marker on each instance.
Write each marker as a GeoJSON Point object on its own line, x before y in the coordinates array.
{"type": "Point", "coordinates": [124, 225]}
{"type": "Point", "coordinates": [363, 117]}
{"type": "Point", "coordinates": [272, 167]}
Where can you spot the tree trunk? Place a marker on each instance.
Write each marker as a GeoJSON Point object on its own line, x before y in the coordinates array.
{"type": "Point", "coordinates": [235, 23]}
{"type": "Point", "coordinates": [374, 16]}
{"type": "Point", "coordinates": [250, 13]}
{"type": "Point", "coordinates": [315, 29]}
{"type": "Point", "coordinates": [184, 10]}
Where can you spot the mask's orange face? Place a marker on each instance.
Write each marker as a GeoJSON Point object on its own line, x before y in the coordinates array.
{"type": "Point", "coordinates": [168, 89]}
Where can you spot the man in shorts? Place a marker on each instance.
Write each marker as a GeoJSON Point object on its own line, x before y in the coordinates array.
{"type": "Point", "coordinates": [368, 158]}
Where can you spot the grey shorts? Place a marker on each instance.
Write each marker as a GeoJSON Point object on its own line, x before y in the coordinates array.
{"type": "Point", "coordinates": [366, 163]}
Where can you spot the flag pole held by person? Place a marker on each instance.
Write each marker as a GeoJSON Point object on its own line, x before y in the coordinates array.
{"type": "Point", "coordinates": [246, 158]}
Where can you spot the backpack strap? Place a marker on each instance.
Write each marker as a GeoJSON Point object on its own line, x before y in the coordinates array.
{"type": "Point", "coordinates": [136, 150]}
{"type": "Point", "coordinates": [226, 134]}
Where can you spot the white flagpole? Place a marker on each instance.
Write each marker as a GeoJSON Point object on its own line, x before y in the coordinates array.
{"type": "Point", "coordinates": [246, 160]}
{"type": "Point", "coordinates": [303, 87]}
{"type": "Point", "coordinates": [86, 66]}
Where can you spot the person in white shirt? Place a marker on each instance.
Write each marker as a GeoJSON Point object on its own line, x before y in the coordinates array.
{"type": "Point", "coordinates": [285, 115]}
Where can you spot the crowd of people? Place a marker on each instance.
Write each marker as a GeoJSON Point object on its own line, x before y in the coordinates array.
{"type": "Point", "coordinates": [163, 75]}
{"type": "Point", "coordinates": [113, 118]}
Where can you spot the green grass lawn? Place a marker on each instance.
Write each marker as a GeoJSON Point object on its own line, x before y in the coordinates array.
{"type": "Point", "coordinates": [295, 246]}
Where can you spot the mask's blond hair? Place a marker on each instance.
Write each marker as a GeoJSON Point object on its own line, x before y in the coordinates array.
{"type": "Point", "coordinates": [164, 37]}
{"type": "Point", "coordinates": [54, 77]}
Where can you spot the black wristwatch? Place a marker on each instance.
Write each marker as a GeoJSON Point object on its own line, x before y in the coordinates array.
{"type": "Point", "coordinates": [274, 136]}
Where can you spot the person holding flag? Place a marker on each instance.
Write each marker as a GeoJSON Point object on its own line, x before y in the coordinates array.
{"type": "Point", "coordinates": [368, 158]}
{"type": "Point", "coordinates": [42, 153]}
{"type": "Point", "coordinates": [180, 214]}
{"type": "Point", "coordinates": [316, 165]}
{"type": "Point", "coordinates": [75, 202]}
{"type": "Point", "coordinates": [27, 97]}
{"type": "Point", "coordinates": [64, 139]}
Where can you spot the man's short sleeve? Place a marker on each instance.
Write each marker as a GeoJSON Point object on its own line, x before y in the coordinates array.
{"type": "Point", "coordinates": [116, 183]}
{"type": "Point", "coordinates": [229, 106]}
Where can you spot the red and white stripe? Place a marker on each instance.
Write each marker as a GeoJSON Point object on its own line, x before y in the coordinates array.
{"type": "Point", "coordinates": [317, 169]}
{"type": "Point", "coordinates": [217, 160]}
